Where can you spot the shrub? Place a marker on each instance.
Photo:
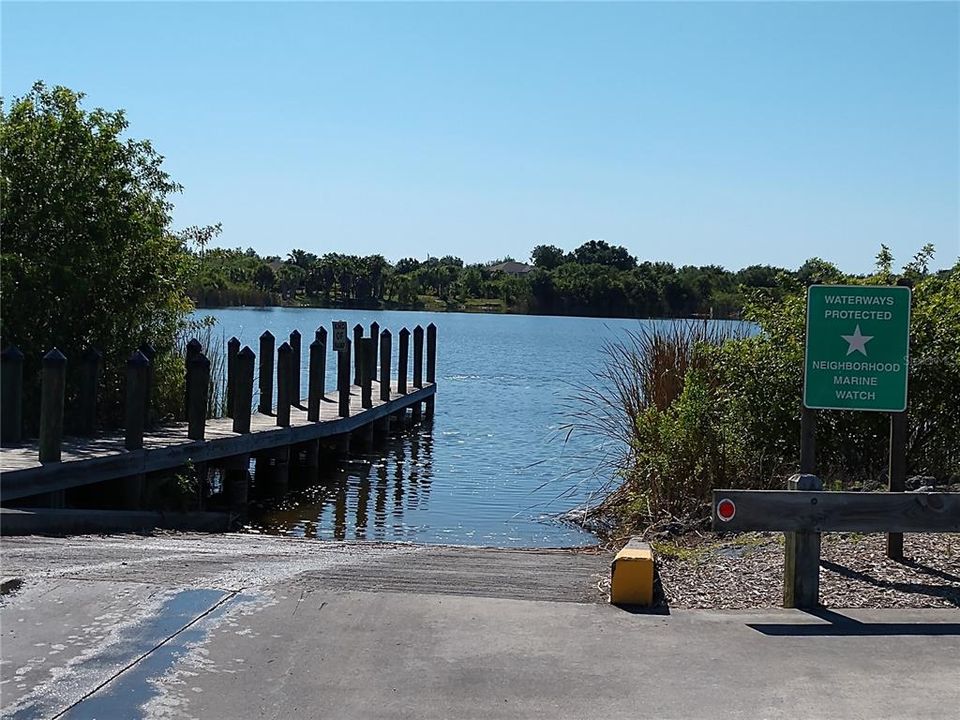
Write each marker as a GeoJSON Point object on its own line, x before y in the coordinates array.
{"type": "Point", "coordinates": [692, 410]}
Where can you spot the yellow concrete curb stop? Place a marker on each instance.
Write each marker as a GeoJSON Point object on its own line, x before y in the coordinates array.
{"type": "Point", "coordinates": [631, 575]}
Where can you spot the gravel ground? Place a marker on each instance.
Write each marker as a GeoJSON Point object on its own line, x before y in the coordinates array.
{"type": "Point", "coordinates": [746, 571]}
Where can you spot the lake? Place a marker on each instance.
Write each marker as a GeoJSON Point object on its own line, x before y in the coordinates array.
{"type": "Point", "coordinates": [493, 469]}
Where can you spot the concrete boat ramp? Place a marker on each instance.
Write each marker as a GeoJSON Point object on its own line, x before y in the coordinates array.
{"type": "Point", "coordinates": [239, 626]}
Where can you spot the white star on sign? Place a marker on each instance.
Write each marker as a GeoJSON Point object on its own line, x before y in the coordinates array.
{"type": "Point", "coordinates": [857, 342]}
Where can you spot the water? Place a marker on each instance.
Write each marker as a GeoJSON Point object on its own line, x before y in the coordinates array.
{"type": "Point", "coordinates": [494, 468]}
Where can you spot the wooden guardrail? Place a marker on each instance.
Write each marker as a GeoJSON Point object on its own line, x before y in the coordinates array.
{"type": "Point", "coordinates": [805, 510]}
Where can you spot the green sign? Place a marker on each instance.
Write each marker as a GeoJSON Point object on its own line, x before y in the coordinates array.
{"type": "Point", "coordinates": [858, 343]}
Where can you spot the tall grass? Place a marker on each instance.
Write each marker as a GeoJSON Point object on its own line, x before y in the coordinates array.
{"type": "Point", "coordinates": [630, 407]}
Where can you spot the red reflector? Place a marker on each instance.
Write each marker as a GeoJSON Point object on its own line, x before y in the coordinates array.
{"type": "Point", "coordinates": [726, 510]}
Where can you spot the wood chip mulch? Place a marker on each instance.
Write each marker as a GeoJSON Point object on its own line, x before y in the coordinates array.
{"type": "Point", "coordinates": [746, 571]}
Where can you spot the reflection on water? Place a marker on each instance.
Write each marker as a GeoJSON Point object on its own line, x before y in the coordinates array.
{"type": "Point", "coordinates": [382, 494]}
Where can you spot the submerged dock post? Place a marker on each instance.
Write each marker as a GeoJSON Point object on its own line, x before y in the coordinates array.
{"type": "Point", "coordinates": [236, 482]}
{"type": "Point", "coordinates": [11, 395]}
{"type": "Point", "coordinates": [53, 385]}
{"type": "Point", "coordinates": [267, 349]}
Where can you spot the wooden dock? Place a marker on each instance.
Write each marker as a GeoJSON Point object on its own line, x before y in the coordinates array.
{"type": "Point", "coordinates": [90, 460]}
{"type": "Point", "coordinates": [279, 434]}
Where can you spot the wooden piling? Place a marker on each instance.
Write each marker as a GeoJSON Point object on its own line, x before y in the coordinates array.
{"type": "Point", "coordinates": [272, 473]}
{"type": "Point", "coordinates": [233, 350]}
{"type": "Point", "coordinates": [295, 365]}
{"type": "Point", "coordinates": [429, 403]}
{"type": "Point", "coordinates": [365, 436]}
{"type": "Point", "coordinates": [194, 348]}
{"type": "Point", "coordinates": [897, 475]}
{"type": "Point", "coordinates": [87, 395]}
{"type": "Point", "coordinates": [386, 348]}
{"type": "Point", "coordinates": [137, 367]}
{"type": "Point", "coordinates": [308, 454]}
{"type": "Point", "coordinates": [11, 395]}
{"type": "Point", "coordinates": [317, 374]}
{"type": "Point", "coordinates": [358, 356]}
{"type": "Point", "coordinates": [343, 380]}
{"type": "Point", "coordinates": [431, 353]}
{"type": "Point", "coordinates": [267, 349]}
{"type": "Point", "coordinates": [342, 446]}
{"type": "Point", "coordinates": [403, 353]}
{"type": "Point", "coordinates": [53, 385]}
{"type": "Point", "coordinates": [801, 569]}
{"type": "Point", "coordinates": [281, 470]}
{"type": "Point", "coordinates": [320, 334]}
{"type": "Point", "coordinates": [198, 383]}
{"type": "Point", "coordinates": [365, 356]}
{"type": "Point", "coordinates": [243, 399]}
{"type": "Point", "coordinates": [236, 477]}
{"type": "Point", "coordinates": [375, 335]}
{"type": "Point", "coordinates": [284, 384]}
{"type": "Point", "coordinates": [150, 354]}
{"type": "Point", "coordinates": [418, 357]}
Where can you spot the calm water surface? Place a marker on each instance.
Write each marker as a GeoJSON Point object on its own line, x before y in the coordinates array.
{"type": "Point", "coordinates": [493, 469]}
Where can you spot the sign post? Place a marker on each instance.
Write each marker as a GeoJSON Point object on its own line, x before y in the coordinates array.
{"type": "Point", "coordinates": [857, 349]}
{"type": "Point", "coordinates": [856, 357]}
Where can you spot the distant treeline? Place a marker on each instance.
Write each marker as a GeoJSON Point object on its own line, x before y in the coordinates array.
{"type": "Point", "coordinates": [596, 279]}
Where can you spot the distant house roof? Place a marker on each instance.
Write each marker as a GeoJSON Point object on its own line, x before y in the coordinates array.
{"type": "Point", "coordinates": [512, 268]}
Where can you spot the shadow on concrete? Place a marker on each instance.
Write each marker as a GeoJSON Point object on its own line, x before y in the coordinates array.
{"type": "Point", "coordinates": [841, 625]}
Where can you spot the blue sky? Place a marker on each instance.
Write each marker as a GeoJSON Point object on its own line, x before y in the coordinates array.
{"type": "Point", "coordinates": [727, 133]}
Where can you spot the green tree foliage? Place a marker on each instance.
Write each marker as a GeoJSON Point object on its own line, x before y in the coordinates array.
{"type": "Point", "coordinates": [596, 279]}
{"type": "Point", "coordinates": [547, 257]}
{"type": "Point", "coordinates": [87, 257]}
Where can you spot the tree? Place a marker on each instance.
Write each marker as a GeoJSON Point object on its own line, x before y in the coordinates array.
{"type": "Point", "coordinates": [407, 265]}
{"type": "Point", "coordinates": [87, 256]}
{"type": "Point", "coordinates": [264, 277]}
{"type": "Point", "coordinates": [548, 257]}
{"type": "Point", "coordinates": [819, 271]}
{"type": "Point", "coordinates": [600, 252]}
